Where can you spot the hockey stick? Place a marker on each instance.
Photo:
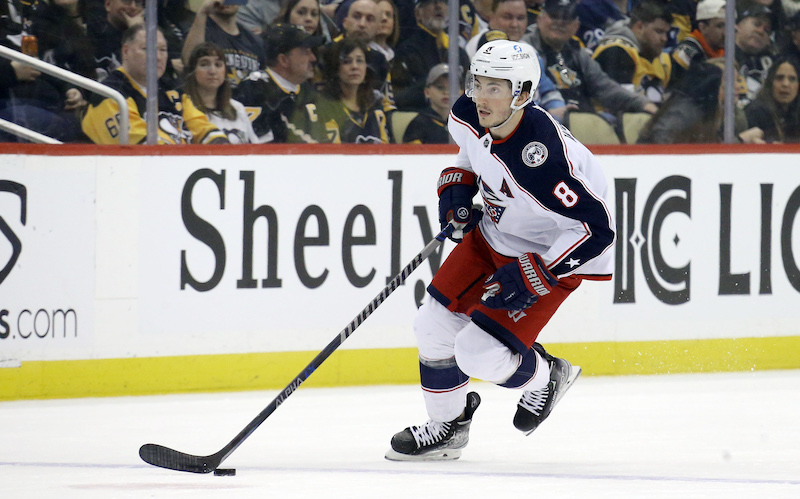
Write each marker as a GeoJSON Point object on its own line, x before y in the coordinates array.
{"type": "Point", "coordinates": [164, 457]}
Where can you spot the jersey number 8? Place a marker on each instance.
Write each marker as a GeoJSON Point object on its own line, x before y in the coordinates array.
{"type": "Point", "coordinates": [567, 196]}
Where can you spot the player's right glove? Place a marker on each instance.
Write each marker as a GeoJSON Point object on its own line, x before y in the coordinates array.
{"type": "Point", "coordinates": [517, 285]}
{"type": "Point", "coordinates": [457, 187]}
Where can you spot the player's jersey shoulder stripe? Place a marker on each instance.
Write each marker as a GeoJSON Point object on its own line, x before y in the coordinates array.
{"type": "Point", "coordinates": [465, 112]}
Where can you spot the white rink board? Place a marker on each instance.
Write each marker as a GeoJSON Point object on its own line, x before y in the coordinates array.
{"type": "Point", "coordinates": [134, 304]}
{"type": "Point", "coordinates": [47, 257]}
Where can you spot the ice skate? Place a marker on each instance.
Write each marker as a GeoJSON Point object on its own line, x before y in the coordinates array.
{"type": "Point", "coordinates": [534, 406]}
{"type": "Point", "coordinates": [435, 441]}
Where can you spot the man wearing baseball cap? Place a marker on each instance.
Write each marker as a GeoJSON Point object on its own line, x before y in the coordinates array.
{"type": "Point", "coordinates": [579, 78]}
{"type": "Point", "coordinates": [430, 125]}
{"type": "Point", "coordinates": [707, 41]}
{"type": "Point", "coordinates": [272, 96]}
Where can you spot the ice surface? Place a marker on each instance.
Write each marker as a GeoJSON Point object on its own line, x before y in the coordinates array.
{"type": "Point", "coordinates": [733, 435]}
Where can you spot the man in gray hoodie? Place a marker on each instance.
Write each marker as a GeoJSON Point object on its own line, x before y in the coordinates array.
{"type": "Point", "coordinates": [579, 78]}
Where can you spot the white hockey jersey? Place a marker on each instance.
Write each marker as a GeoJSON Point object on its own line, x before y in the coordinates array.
{"type": "Point", "coordinates": [543, 192]}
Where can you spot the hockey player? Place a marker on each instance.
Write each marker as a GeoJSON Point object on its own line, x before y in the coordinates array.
{"type": "Point", "coordinates": [545, 227]}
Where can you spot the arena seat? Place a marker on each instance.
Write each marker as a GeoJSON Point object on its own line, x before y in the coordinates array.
{"type": "Point", "coordinates": [400, 121]}
{"type": "Point", "coordinates": [590, 128]}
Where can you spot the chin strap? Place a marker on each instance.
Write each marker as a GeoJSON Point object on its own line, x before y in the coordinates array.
{"type": "Point", "coordinates": [506, 121]}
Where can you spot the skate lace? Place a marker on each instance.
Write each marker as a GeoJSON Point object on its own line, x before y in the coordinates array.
{"type": "Point", "coordinates": [534, 401]}
{"type": "Point", "coordinates": [430, 433]}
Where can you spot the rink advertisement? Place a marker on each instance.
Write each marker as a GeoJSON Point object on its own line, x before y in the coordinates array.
{"type": "Point", "coordinates": [146, 264]}
{"type": "Point", "coordinates": [47, 244]}
{"type": "Point", "coordinates": [279, 257]}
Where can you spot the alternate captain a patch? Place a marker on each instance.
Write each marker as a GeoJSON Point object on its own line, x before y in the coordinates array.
{"type": "Point", "coordinates": [534, 154]}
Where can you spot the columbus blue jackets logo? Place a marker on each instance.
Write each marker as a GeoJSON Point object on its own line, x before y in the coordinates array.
{"type": "Point", "coordinates": [534, 154]}
{"type": "Point", "coordinates": [490, 201]}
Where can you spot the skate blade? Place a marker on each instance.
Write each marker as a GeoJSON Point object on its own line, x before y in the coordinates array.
{"type": "Point", "coordinates": [442, 455]}
{"type": "Point", "coordinates": [573, 375]}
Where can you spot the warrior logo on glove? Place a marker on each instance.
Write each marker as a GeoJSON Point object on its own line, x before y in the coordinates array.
{"type": "Point", "coordinates": [518, 285]}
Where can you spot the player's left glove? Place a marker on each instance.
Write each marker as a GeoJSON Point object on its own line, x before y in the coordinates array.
{"type": "Point", "coordinates": [456, 189]}
{"type": "Point", "coordinates": [517, 285]}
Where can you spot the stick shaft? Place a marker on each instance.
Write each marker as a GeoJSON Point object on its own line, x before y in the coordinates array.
{"type": "Point", "coordinates": [168, 458]}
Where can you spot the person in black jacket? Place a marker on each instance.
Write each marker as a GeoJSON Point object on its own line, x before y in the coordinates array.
{"type": "Point", "coordinates": [776, 108]}
{"type": "Point", "coordinates": [27, 97]}
{"type": "Point", "coordinates": [424, 48]}
{"type": "Point", "coordinates": [430, 125]}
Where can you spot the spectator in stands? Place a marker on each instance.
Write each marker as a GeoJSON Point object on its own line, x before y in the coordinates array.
{"type": "Point", "coordinates": [532, 8]}
{"type": "Point", "coordinates": [754, 49]}
{"type": "Point", "coordinates": [631, 51]}
{"type": "Point", "coordinates": [358, 19]}
{"type": "Point", "coordinates": [179, 120]}
{"type": "Point", "coordinates": [350, 111]}
{"type": "Point", "coordinates": [277, 96]}
{"type": "Point", "coordinates": [596, 16]}
{"type": "Point", "coordinates": [61, 34]}
{"type": "Point", "coordinates": [106, 32]}
{"type": "Point", "coordinates": [483, 11]}
{"type": "Point", "coordinates": [468, 21]}
{"type": "Point", "coordinates": [508, 16]}
{"type": "Point", "coordinates": [256, 15]}
{"type": "Point", "coordinates": [683, 12]}
{"type": "Point", "coordinates": [693, 113]}
{"type": "Point", "coordinates": [309, 15]}
{"type": "Point", "coordinates": [776, 109]}
{"type": "Point", "coordinates": [175, 19]}
{"type": "Point", "coordinates": [218, 23]}
{"type": "Point", "coordinates": [27, 97]}
{"type": "Point", "coordinates": [424, 48]}
{"type": "Point", "coordinates": [63, 41]}
{"type": "Point", "coordinates": [707, 41]}
{"type": "Point", "coordinates": [430, 125]}
{"type": "Point", "coordinates": [177, 13]}
{"type": "Point", "coordinates": [789, 41]}
{"type": "Point", "coordinates": [210, 91]}
{"type": "Point", "coordinates": [388, 32]}
{"type": "Point", "coordinates": [778, 15]}
{"type": "Point", "coordinates": [578, 77]}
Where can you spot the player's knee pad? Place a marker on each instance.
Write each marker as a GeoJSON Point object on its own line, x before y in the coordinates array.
{"type": "Point", "coordinates": [481, 355]}
{"type": "Point", "coordinates": [436, 328]}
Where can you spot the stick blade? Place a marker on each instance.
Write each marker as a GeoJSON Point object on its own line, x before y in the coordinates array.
{"type": "Point", "coordinates": [164, 457]}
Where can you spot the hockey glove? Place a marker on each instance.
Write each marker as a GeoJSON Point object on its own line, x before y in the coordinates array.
{"type": "Point", "coordinates": [517, 285]}
{"type": "Point", "coordinates": [456, 189]}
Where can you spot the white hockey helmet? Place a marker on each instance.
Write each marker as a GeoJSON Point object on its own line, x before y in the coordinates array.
{"type": "Point", "coordinates": [516, 62]}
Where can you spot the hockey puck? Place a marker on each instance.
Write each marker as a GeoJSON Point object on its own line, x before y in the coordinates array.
{"type": "Point", "coordinates": [225, 472]}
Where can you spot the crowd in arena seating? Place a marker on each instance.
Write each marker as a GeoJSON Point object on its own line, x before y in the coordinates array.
{"type": "Point", "coordinates": [350, 71]}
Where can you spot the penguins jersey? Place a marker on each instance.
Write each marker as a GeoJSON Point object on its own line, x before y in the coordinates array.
{"type": "Point", "coordinates": [179, 121]}
{"type": "Point", "coordinates": [542, 190]}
